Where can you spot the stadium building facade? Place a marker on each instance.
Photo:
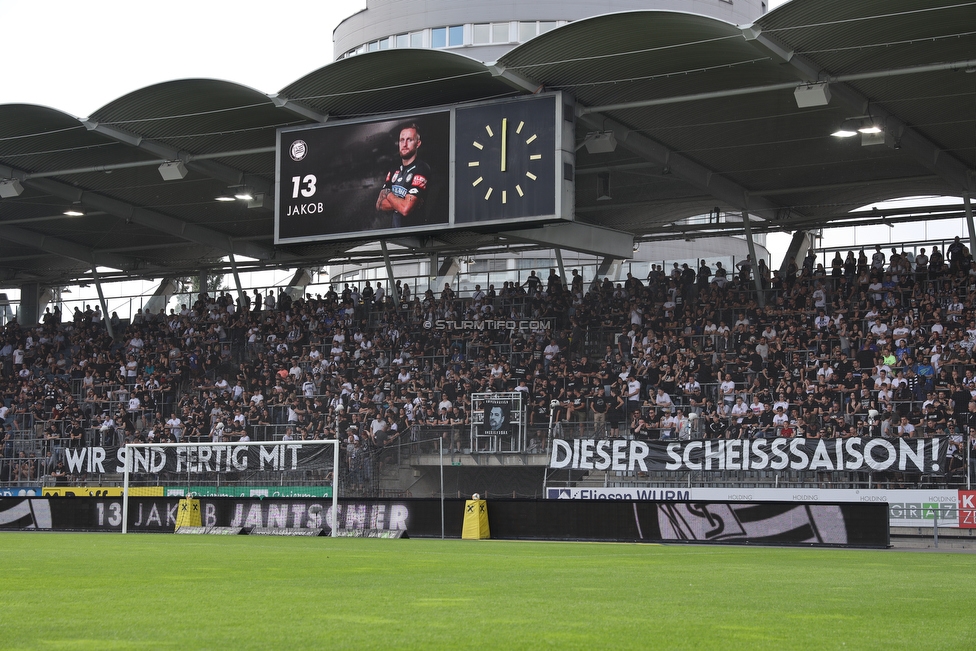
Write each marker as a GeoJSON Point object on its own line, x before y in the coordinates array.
{"type": "Point", "coordinates": [487, 30]}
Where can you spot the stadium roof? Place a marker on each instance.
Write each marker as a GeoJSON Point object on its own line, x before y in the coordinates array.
{"type": "Point", "coordinates": [703, 112]}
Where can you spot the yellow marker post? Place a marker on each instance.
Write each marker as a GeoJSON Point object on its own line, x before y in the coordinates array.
{"type": "Point", "coordinates": [475, 520]}
{"type": "Point", "coordinates": [188, 513]}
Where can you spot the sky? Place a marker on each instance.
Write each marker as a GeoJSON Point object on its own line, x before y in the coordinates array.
{"type": "Point", "coordinates": [79, 56]}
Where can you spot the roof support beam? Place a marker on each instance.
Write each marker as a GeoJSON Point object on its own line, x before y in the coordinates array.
{"type": "Point", "coordinates": [515, 79]}
{"type": "Point", "coordinates": [65, 248]}
{"type": "Point", "coordinates": [847, 186]}
{"type": "Point", "coordinates": [921, 148]}
{"type": "Point", "coordinates": [302, 278]}
{"type": "Point", "coordinates": [407, 242]}
{"type": "Point", "coordinates": [298, 108]}
{"type": "Point", "coordinates": [681, 166]}
{"type": "Point", "coordinates": [969, 221]}
{"type": "Point", "coordinates": [158, 301]}
{"type": "Point", "coordinates": [447, 270]}
{"type": "Point", "coordinates": [213, 169]}
{"type": "Point", "coordinates": [390, 278]}
{"type": "Point", "coordinates": [101, 300]}
{"type": "Point", "coordinates": [576, 236]}
{"type": "Point", "coordinates": [153, 162]}
{"type": "Point", "coordinates": [605, 266]}
{"type": "Point", "coordinates": [143, 216]}
{"type": "Point", "coordinates": [786, 85]}
{"type": "Point", "coordinates": [754, 269]}
{"type": "Point", "coordinates": [241, 296]}
{"type": "Point", "coordinates": [560, 266]}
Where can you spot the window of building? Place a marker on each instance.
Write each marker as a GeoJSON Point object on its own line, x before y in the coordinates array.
{"type": "Point", "coordinates": [499, 33]}
{"type": "Point", "coordinates": [452, 36]}
{"type": "Point", "coordinates": [438, 37]}
{"type": "Point", "coordinates": [529, 30]}
{"type": "Point", "coordinates": [455, 35]}
{"type": "Point", "coordinates": [482, 33]}
{"type": "Point", "coordinates": [485, 33]}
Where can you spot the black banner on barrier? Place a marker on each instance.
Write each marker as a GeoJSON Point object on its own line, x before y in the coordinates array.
{"type": "Point", "coordinates": [824, 455]}
{"type": "Point", "coordinates": [26, 513]}
{"type": "Point", "coordinates": [198, 460]}
{"type": "Point", "coordinates": [849, 524]}
{"type": "Point", "coordinates": [158, 514]}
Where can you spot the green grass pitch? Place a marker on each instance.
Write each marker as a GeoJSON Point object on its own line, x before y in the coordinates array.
{"type": "Point", "coordinates": [108, 591]}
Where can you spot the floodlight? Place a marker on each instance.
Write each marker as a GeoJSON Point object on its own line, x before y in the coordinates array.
{"type": "Point", "coordinates": [812, 95]}
{"type": "Point", "coordinates": [173, 170]}
{"type": "Point", "coordinates": [600, 142]}
{"type": "Point", "coordinates": [847, 130]}
{"type": "Point", "coordinates": [10, 188]}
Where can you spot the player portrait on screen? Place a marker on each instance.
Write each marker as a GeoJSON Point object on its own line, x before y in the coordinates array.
{"type": "Point", "coordinates": [354, 179]}
{"type": "Point", "coordinates": [403, 195]}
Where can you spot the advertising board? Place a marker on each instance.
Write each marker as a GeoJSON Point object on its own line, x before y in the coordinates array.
{"type": "Point", "coordinates": [906, 507]}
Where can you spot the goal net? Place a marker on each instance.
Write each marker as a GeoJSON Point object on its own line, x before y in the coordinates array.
{"type": "Point", "coordinates": [302, 470]}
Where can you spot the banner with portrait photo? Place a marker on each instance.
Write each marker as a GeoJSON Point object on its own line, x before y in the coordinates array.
{"type": "Point", "coordinates": [498, 417]}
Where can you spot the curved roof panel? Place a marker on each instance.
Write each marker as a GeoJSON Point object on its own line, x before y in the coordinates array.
{"type": "Point", "coordinates": [394, 80]}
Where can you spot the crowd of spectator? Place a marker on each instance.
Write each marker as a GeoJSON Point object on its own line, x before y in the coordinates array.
{"type": "Point", "coordinates": [859, 346]}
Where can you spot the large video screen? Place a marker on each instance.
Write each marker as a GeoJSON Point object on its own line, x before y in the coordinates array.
{"type": "Point", "coordinates": [496, 163]}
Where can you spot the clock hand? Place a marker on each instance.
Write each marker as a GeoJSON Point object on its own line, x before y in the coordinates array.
{"type": "Point", "coordinates": [504, 142]}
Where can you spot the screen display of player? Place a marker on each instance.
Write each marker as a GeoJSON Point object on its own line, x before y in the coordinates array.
{"type": "Point", "coordinates": [337, 181]}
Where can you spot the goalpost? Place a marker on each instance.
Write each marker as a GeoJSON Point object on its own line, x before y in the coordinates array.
{"type": "Point", "coordinates": [252, 469]}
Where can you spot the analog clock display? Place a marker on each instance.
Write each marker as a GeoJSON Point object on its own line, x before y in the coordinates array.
{"type": "Point", "coordinates": [505, 161]}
